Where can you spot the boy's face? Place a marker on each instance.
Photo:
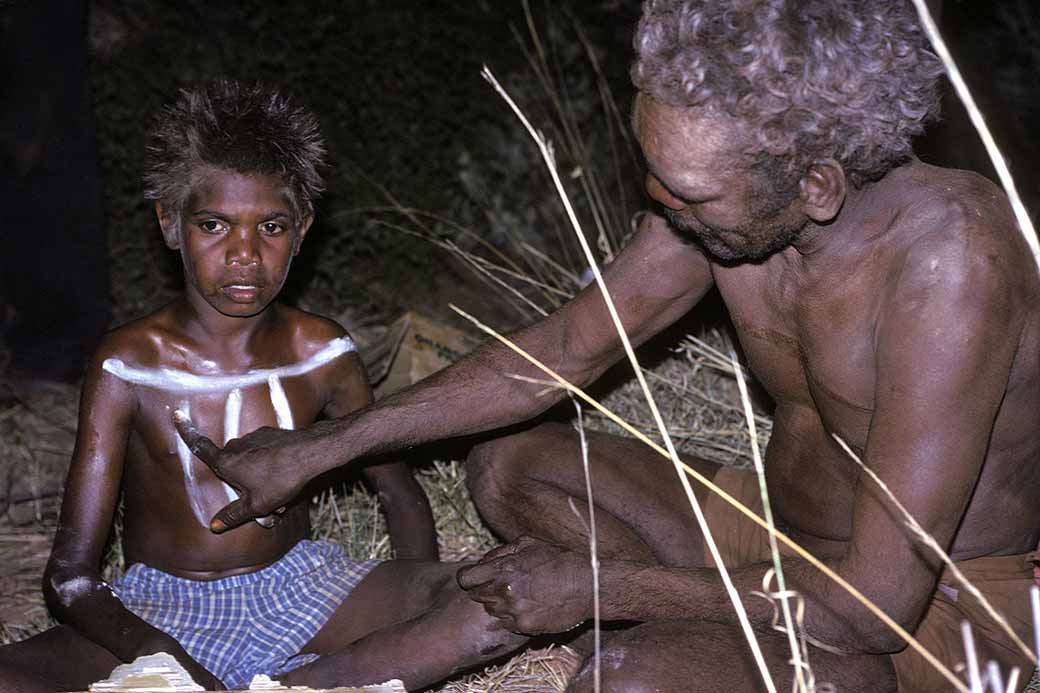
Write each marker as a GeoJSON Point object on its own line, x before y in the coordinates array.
{"type": "Point", "coordinates": [237, 239]}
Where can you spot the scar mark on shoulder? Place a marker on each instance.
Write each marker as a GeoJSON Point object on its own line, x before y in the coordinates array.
{"type": "Point", "coordinates": [834, 395]}
{"type": "Point", "coordinates": [173, 380]}
{"type": "Point", "coordinates": [779, 339]}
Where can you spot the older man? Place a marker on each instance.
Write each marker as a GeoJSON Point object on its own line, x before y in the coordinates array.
{"type": "Point", "coordinates": [878, 299]}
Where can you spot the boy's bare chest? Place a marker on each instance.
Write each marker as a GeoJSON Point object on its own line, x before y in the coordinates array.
{"type": "Point", "coordinates": [225, 413]}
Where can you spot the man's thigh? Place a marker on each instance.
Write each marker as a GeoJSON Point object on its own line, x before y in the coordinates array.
{"type": "Point", "coordinates": [679, 656]}
{"type": "Point", "coordinates": [392, 592]}
{"type": "Point", "coordinates": [59, 659]}
{"type": "Point", "coordinates": [534, 482]}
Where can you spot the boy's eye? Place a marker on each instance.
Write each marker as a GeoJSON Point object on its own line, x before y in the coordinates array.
{"type": "Point", "coordinates": [272, 228]}
{"type": "Point", "coordinates": [211, 226]}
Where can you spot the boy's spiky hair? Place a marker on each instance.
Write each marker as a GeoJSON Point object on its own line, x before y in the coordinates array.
{"type": "Point", "coordinates": [246, 129]}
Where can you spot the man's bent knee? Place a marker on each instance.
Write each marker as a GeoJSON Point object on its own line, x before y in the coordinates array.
{"type": "Point", "coordinates": [495, 466]}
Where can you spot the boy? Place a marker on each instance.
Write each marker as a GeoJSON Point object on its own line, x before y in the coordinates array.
{"type": "Point", "coordinates": [233, 172]}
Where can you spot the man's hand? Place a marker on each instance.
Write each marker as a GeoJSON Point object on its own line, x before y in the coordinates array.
{"type": "Point", "coordinates": [531, 586]}
{"type": "Point", "coordinates": [260, 467]}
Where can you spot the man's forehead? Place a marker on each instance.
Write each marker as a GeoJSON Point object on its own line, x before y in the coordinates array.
{"type": "Point", "coordinates": [696, 141]}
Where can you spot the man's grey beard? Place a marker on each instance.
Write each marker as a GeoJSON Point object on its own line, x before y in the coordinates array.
{"type": "Point", "coordinates": [759, 246]}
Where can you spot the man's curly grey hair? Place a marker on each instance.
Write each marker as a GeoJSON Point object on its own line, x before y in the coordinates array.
{"type": "Point", "coordinates": [230, 126]}
{"type": "Point", "coordinates": [851, 80]}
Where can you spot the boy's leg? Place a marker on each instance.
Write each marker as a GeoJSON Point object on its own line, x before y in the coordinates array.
{"type": "Point", "coordinates": [531, 483]}
{"type": "Point", "coordinates": [59, 659]}
{"type": "Point", "coordinates": [407, 620]}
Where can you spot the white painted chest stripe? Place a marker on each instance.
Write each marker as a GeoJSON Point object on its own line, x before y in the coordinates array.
{"type": "Point", "coordinates": [172, 380]}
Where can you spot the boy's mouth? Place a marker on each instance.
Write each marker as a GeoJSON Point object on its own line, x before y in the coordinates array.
{"type": "Point", "coordinates": [241, 293]}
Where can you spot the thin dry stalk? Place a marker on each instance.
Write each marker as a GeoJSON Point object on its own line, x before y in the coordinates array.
{"type": "Point", "coordinates": [740, 507]}
{"type": "Point", "coordinates": [972, 663]}
{"type": "Point", "coordinates": [961, 87]}
{"type": "Point", "coordinates": [802, 675]}
{"type": "Point", "coordinates": [932, 544]}
{"type": "Point", "coordinates": [1012, 682]}
{"type": "Point", "coordinates": [1034, 604]}
{"type": "Point", "coordinates": [593, 555]}
{"type": "Point", "coordinates": [546, 150]}
{"type": "Point", "coordinates": [993, 677]}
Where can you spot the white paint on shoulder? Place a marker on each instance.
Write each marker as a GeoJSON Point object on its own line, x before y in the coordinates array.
{"type": "Point", "coordinates": [184, 382]}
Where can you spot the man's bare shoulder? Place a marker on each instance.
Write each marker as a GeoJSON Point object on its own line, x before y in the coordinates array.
{"type": "Point", "coordinates": [961, 224]}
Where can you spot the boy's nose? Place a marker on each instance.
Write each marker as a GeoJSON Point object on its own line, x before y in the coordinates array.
{"type": "Point", "coordinates": [242, 248]}
{"type": "Point", "coordinates": [657, 191]}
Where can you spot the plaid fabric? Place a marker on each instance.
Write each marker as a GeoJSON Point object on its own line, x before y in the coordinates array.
{"type": "Point", "coordinates": [248, 624]}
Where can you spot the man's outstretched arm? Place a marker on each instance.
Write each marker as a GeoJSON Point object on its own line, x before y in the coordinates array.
{"type": "Point", "coordinates": [655, 280]}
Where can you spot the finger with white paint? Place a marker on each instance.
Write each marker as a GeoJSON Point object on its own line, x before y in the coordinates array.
{"type": "Point", "coordinates": [199, 445]}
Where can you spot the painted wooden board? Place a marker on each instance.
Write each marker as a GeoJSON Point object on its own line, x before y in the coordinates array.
{"type": "Point", "coordinates": [161, 673]}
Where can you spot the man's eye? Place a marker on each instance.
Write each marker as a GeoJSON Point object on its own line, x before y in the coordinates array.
{"type": "Point", "coordinates": [211, 226]}
{"type": "Point", "coordinates": [272, 228]}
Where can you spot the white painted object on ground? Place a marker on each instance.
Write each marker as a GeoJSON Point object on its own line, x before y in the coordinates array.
{"type": "Point", "coordinates": [262, 682]}
{"type": "Point", "coordinates": [156, 672]}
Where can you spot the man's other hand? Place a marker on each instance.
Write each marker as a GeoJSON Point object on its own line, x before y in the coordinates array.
{"type": "Point", "coordinates": [531, 586]}
{"type": "Point", "coordinates": [258, 466]}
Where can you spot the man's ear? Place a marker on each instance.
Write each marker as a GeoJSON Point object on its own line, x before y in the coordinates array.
{"type": "Point", "coordinates": [301, 232]}
{"type": "Point", "coordinates": [168, 224]}
{"type": "Point", "coordinates": [823, 190]}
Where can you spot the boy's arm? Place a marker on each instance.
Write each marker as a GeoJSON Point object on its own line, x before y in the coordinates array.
{"type": "Point", "coordinates": [401, 498]}
{"type": "Point", "coordinates": [72, 584]}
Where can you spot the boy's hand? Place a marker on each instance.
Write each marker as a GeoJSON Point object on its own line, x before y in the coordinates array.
{"type": "Point", "coordinates": [252, 465]}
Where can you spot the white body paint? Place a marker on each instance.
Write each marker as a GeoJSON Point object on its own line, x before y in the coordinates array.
{"type": "Point", "coordinates": [191, 486]}
{"type": "Point", "coordinates": [282, 412]}
{"type": "Point", "coordinates": [232, 422]}
{"type": "Point", "coordinates": [182, 382]}
{"type": "Point", "coordinates": [171, 380]}
{"type": "Point", "coordinates": [69, 591]}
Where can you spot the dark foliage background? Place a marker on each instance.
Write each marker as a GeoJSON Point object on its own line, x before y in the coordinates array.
{"type": "Point", "coordinates": [395, 84]}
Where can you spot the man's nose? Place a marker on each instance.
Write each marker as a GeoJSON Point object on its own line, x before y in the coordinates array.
{"type": "Point", "coordinates": [242, 248]}
{"type": "Point", "coordinates": [657, 191]}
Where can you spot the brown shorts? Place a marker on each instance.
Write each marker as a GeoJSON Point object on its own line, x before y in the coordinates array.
{"type": "Point", "coordinates": [1004, 580]}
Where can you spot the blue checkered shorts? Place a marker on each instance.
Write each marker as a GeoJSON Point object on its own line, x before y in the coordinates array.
{"type": "Point", "coordinates": [249, 624]}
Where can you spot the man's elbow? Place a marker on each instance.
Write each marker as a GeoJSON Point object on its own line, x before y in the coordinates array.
{"type": "Point", "coordinates": [867, 634]}
{"type": "Point", "coordinates": [882, 640]}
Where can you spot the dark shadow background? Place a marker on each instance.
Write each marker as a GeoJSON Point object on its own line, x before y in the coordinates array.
{"type": "Point", "coordinates": [396, 86]}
